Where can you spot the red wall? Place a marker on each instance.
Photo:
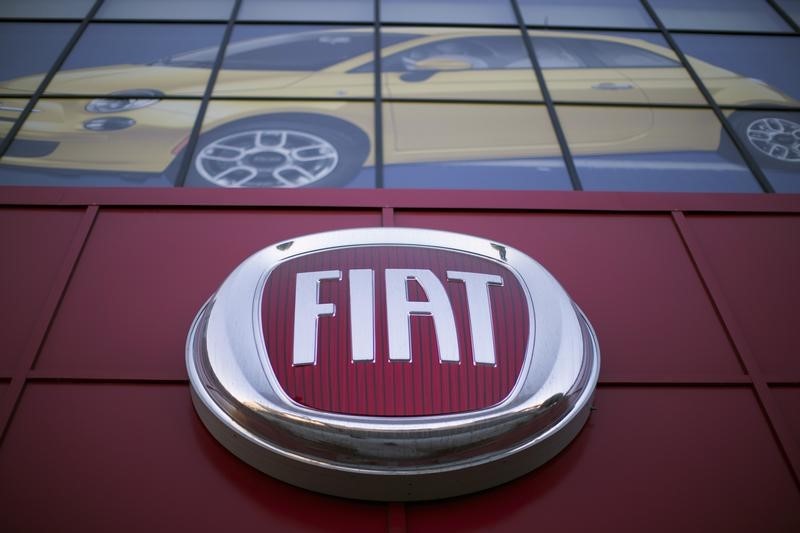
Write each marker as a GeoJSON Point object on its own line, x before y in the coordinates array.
{"type": "Point", "coordinates": [693, 298]}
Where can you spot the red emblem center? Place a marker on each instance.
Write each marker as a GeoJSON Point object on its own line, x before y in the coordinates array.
{"type": "Point", "coordinates": [416, 315]}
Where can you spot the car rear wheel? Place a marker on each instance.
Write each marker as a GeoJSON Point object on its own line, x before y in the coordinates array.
{"type": "Point", "coordinates": [277, 153]}
{"type": "Point", "coordinates": [774, 141]}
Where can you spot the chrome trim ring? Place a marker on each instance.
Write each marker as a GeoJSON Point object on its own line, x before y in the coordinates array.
{"type": "Point", "coordinates": [776, 138]}
{"type": "Point", "coordinates": [267, 158]}
{"type": "Point", "coordinates": [238, 397]}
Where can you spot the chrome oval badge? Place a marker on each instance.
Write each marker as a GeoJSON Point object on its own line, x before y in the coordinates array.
{"type": "Point", "coordinates": [392, 364]}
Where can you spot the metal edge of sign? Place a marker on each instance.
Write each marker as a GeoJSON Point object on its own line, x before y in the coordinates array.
{"type": "Point", "coordinates": [390, 458]}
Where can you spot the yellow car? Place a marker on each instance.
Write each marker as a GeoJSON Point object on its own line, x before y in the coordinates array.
{"type": "Point", "coordinates": [304, 136]}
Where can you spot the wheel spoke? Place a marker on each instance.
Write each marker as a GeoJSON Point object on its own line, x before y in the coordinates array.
{"type": "Point", "coordinates": [252, 173]}
{"type": "Point", "coordinates": [758, 135]}
{"type": "Point", "coordinates": [212, 152]}
{"type": "Point", "coordinates": [779, 151]}
{"type": "Point", "coordinates": [322, 152]}
{"type": "Point", "coordinates": [292, 181]}
{"type": "Point", "coordinates": [775, 125]}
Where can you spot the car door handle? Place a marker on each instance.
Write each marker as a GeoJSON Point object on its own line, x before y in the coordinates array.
{"type": "Point", "coordinates": [608, 86]}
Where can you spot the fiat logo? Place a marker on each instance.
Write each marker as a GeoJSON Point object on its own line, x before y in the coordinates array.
{"type": "Point", "coordinates": [392, 364]}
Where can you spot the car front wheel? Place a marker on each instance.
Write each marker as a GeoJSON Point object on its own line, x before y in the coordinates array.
{"type": "Point", "coordinates": [277, 154]}
{"type": "Point", "coordinates": [774, 141]}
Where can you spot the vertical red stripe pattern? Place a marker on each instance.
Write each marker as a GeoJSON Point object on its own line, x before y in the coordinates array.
{"type": "Point", "coordinates": [423, 386]}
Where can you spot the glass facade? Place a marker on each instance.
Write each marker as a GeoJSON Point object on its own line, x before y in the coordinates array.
{"type": "Point", "coordinates": [625, 95]}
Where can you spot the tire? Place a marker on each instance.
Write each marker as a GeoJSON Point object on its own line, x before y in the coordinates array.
{"type": "Point", "coordinates": [772, 139]}
{"type": "Point", "coordinates": [280, 151]}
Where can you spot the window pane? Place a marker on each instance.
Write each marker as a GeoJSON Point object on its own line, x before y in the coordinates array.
{"type": "Point", "coordinates": [742, 15]}
{"type": "Point", "coordinates": [285, 144]}
{"type": "Point", "coordinates": [448, 11]}
{"type": "Point", "coordinates": [296, 61]}
{"type": "Point", "coordinates": [459, 63]}
{"type": "Point", "coordinates": [125, 58]}
{"type": "Point", "coordinates": [44, 9]}
{"type": "Point", "coordinates": [173, 9]}
{"type": "Point", "coordinates": [773, 139]}
{"type": "Point", "coordinates": [612, 68]}
{"type": "Point", "coordinates": [607, 13]}
{"type": "Point", "coordinates": [308, 10]}
{"type": "Point", "coordinates": [63, 144]}
{"type": "Point", "coordinates": [746, 69]}
{"type": "Point", "coordinates": [792, 8]}
{"type": "Point", "coordinates": [653, 149]}
{"type": "Point", "coordinates": [471, 146]}
{"type": "Point", "coordinates": [42, 44]}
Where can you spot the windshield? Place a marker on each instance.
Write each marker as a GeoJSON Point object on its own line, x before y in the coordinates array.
{"type": "Point", "coordinates": [302, 52]}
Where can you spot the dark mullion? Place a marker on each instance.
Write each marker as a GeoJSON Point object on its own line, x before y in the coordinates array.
{"type": "Point", "coordinates": [185, 22]}
{"type": "Point", "coordinates": [378, 74]}
{"type": "Point", "coordinates": [746, 156]}
{"type": "Point", "coordinates": [599, 29]}
{"type": "Point", "coordinates": [412, 100]}
{"type": "Point", "coordinates": [475, 25]}
{"type": "Point", "coordinates": [786, 17]}
{"type": "Point", "coordinates": [62, 20]}
{"type": "Point", "coordinates": [471, 25]}
{"type": "Point", "coordinates": [551, 110]}
{"type": "Point", "coordinates": [748, 33]}
{"type": "Point", "coordinates": [278, 22]}
{"type": "Point", "coordinates": [194, 136]}
{"type": "Point", "coordinates": [8, 139]}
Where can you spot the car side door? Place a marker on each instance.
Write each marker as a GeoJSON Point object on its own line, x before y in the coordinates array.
{"type": "Point", "coordinates": [480, 67]}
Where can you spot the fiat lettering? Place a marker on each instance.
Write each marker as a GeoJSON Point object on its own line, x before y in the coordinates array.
{"type": "Point", "coordinates": [400, 308]}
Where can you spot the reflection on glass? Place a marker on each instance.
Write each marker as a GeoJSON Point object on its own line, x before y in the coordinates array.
{"type": "Point", "coordinates": [447, 11]}
{"type": "Point", "coordinates": [608, 13]}
{"type": "Point", "coordinates": [297, 61]}
{"type": "Point", "coordinates": [45, 9]}
{"type": "Point", "coordinates": [471, 146]}
{"type": "Point", "coordinates": [119, 58]}
{"type": "Point", "coordinates": [121, 143]}
{"type": "Point", "coordinates": [42, 43]}
{"type": "Point", "coordinates": [773, 139]}
{"type": "Point", "coordinates": [792, 8]}
{"type": "Point", "coordinates": [746, 69]}
{"type": "Point", "coordinates": [284, 144]}
{"type": "Point", "coordinates": [459, 63]}
{"type": "Point", "coordinates": [308, 10]}
{"type": "Point", "coordinates": [10, 110]}
{"type": "Point", "coordinates": [742, 15]}
{"type": "Point", "coordinates": [612, 68]}
{"type": "Point", "coordinates": [653, 149]}
{"type": "Point", "coordinates": [158, 9]}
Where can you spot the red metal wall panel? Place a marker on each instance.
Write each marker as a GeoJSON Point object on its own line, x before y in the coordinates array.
{"type": "Point", "coordinates": [650, 459]}
{"type": "Point", "coordinates": [788, 398]}
{"type": "Point", "coordinates": [757, 261]}
{"type": "Point", "coordinates": [122, 457]}
{"type": "Point", "coordinates": [32, 245]}
{"type": "Point", "coordinates": [630, 274]}
{"type": "Point", "coordinates": [145, 274]}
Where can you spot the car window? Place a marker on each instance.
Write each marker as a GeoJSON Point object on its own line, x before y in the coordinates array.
{"type": "Point", "coordinates": [556, 52]}
{"type": "Point", "coordinates": [309, 51]}
{"type": "Point", "coordinates": [611, 54]}
{"type": "Point", "coordinates": [477, 52]}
